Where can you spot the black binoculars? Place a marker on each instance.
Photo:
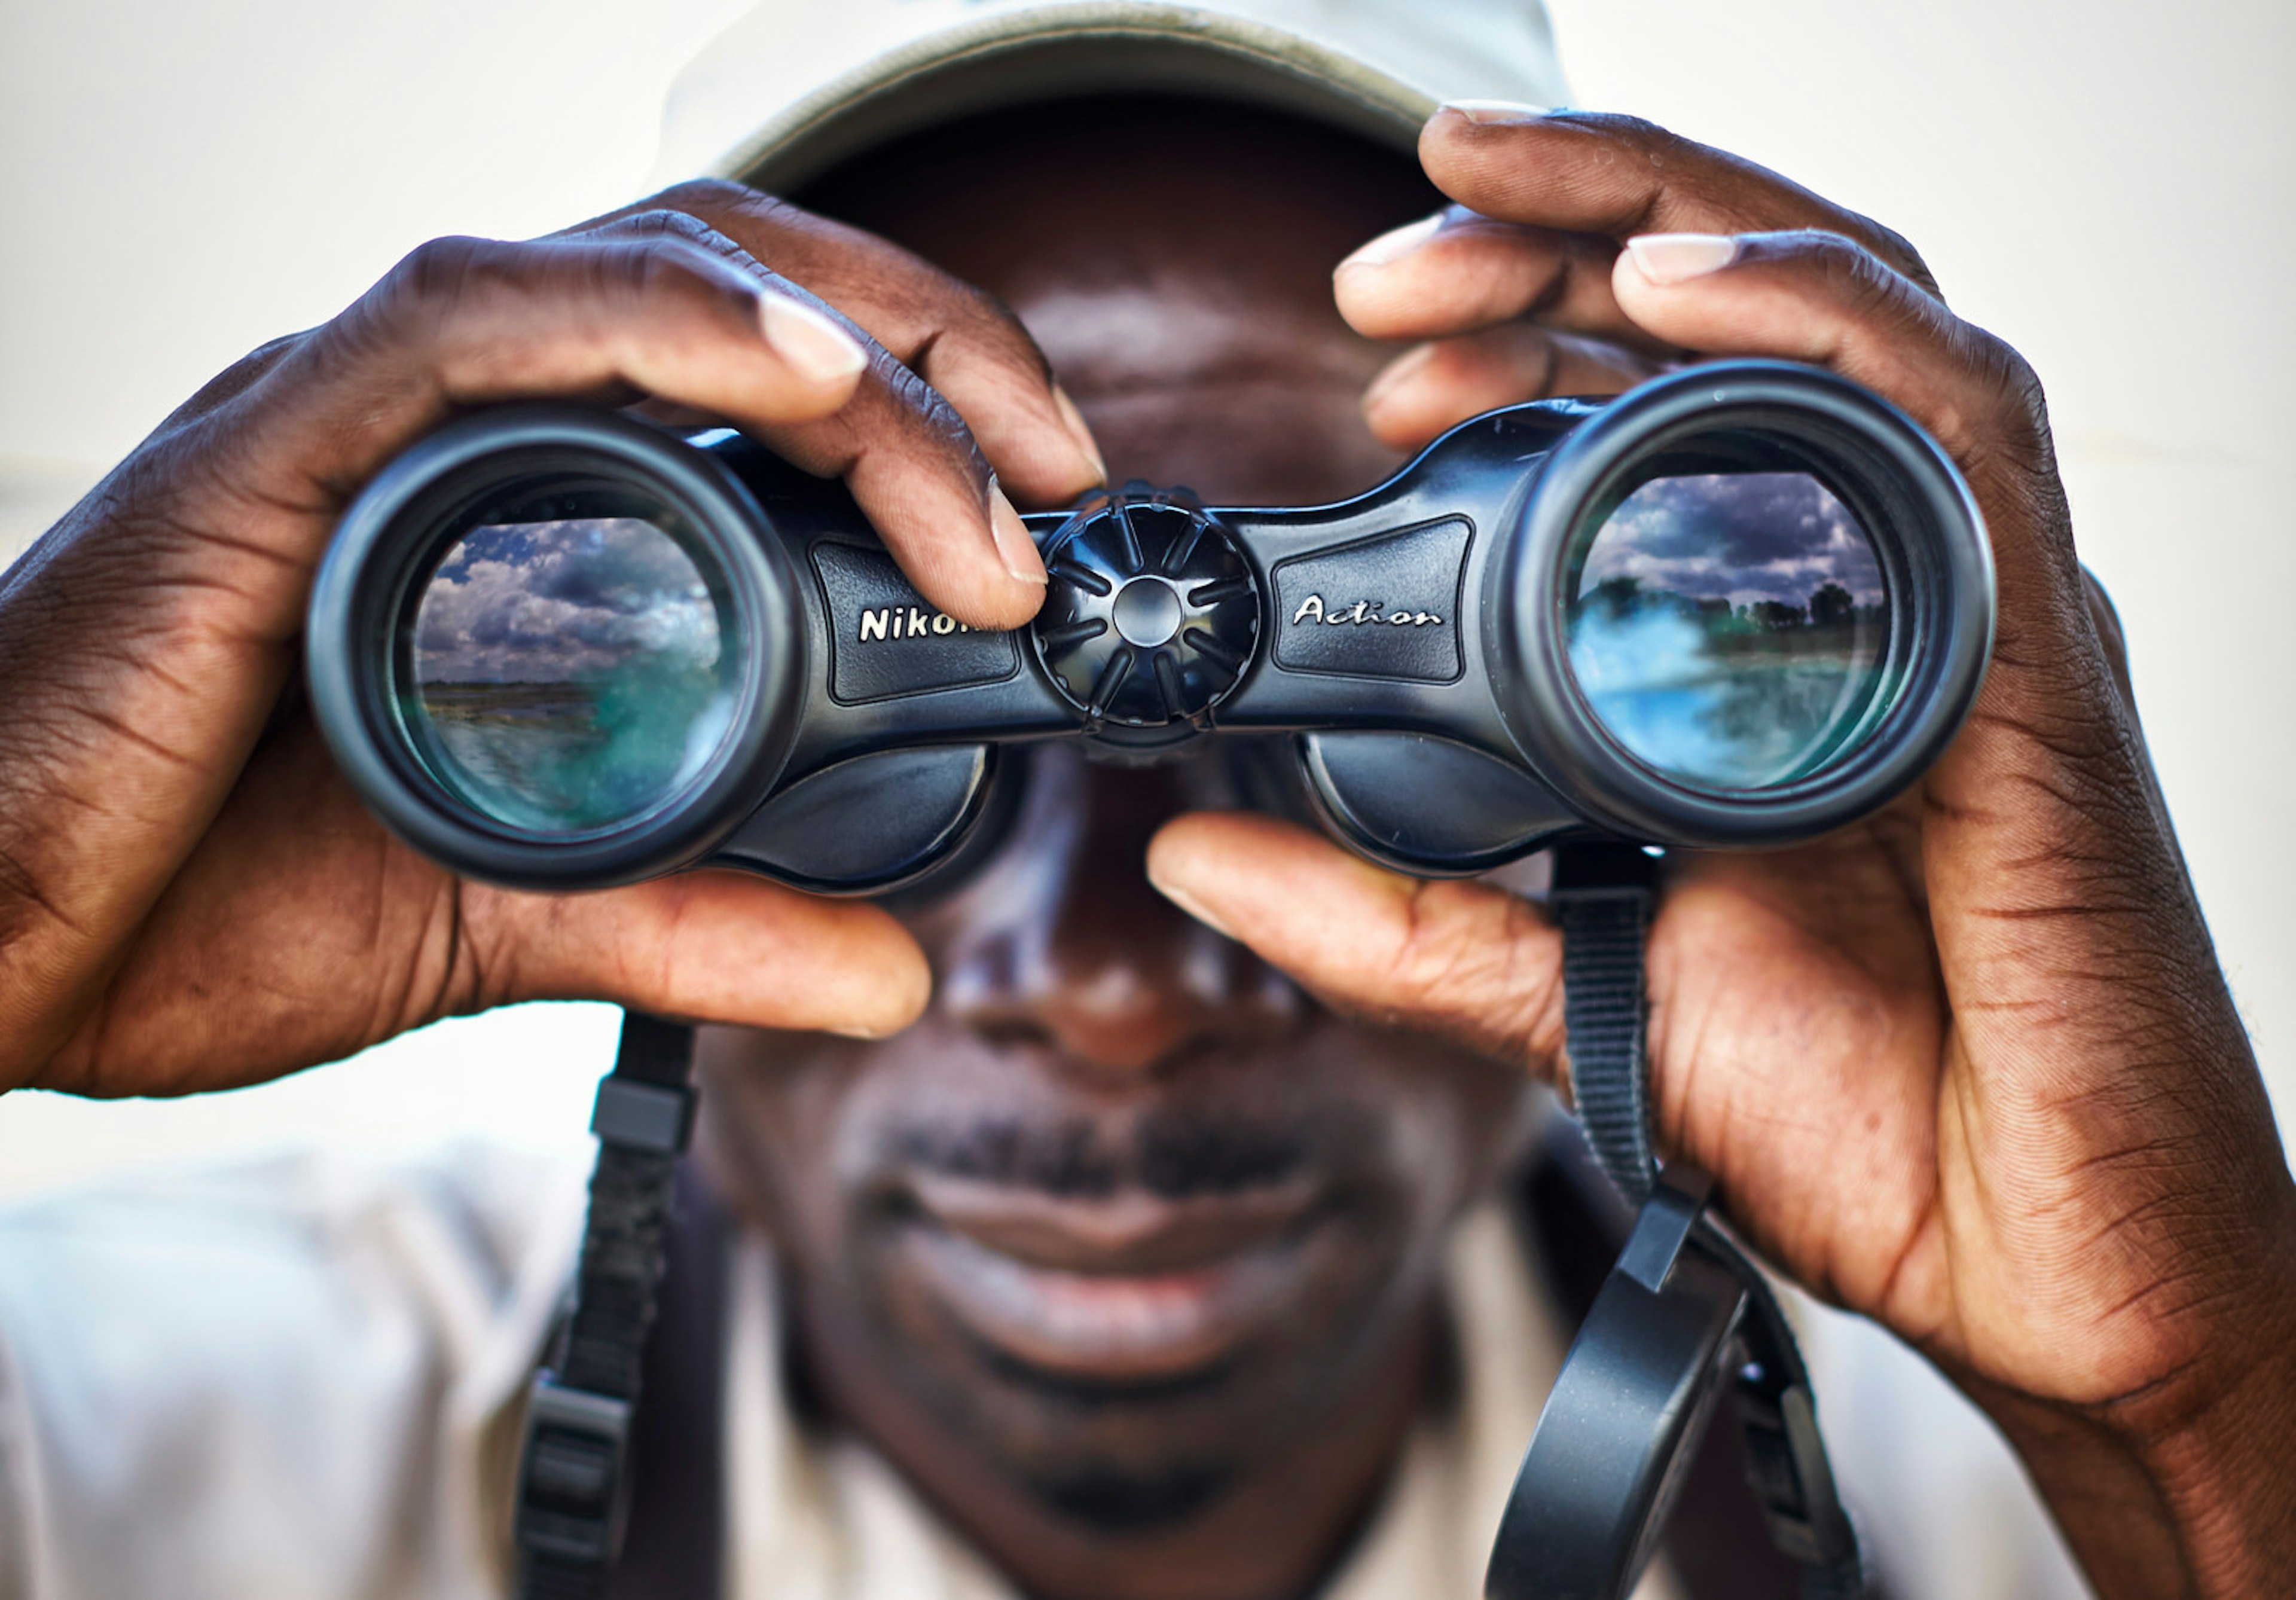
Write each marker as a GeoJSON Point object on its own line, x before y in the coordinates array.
{"type": "Point", "coordinates": [1744, 604]}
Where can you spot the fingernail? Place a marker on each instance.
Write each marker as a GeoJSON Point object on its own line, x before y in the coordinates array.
{"type": "Point", "coordinates": [1014, 547]}
{"type": "Point", "coordinates": [1397, 373]}
{"type": "Point", "coordinates": [1394, 244]}
{"type": "Point", "coordinates": [1073, 420]}
{"type": "Point", "coordinates": [1673, 258]}
{"type": "Point", "coordinates": [1491, 111]}
{"type": "Point", "coordinates": [855, 1032]}
{"type": "Point", "coordinates": [1188, 902]}
{"type": "Point", "coordinates": [820, 350]}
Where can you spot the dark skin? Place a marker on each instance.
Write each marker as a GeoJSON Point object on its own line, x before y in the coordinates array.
{"type": "Point", "coordinates": [1080, 1021]}
{"type": "Point", "coordinates": [1968, 1068]}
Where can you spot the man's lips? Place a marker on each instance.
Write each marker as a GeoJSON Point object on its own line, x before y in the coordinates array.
{"type": "Point", "coordinates": [1128, 1286]}
{"type": "Point", "coordinates": [1129, 1232]}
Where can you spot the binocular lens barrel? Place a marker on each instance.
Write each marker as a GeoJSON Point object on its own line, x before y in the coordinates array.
{"type": "Point", "coordinates": [1729, 628]}
{"type": "Point", "coordinates": [569, 663]}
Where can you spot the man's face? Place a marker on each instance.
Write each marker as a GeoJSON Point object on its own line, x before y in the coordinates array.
{"type": "Point", "coordinates": [1125, 1219]}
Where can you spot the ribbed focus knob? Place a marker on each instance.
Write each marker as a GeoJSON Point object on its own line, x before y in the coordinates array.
{"type": "Point", "coordinates": [1150, 615]}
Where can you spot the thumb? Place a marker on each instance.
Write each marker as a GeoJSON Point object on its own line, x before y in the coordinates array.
{"type": "Point", "coordinates": [716, 947]}
{"type": "Point", "coordinates": [1464, 960]}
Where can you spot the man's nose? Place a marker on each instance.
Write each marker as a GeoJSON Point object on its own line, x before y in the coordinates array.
{"type": "Point", "coordinates": [1073, 952]}
{"type": "Point", "coordinates": [1117, 1004]}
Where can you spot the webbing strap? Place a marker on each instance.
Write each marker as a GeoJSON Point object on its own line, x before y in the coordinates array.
{"type": "Point", "coordinates": [1602, 896]}
{"type": "Point", "coordinates": [573, 1488]}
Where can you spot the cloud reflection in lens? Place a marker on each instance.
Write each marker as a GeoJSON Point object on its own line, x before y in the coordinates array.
{"type": "Point", "coordinates": [1729, 628]}
{"type": "Point", "coordinates": [569, 674]}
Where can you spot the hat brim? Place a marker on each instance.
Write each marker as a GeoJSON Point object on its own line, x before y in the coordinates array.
{"type": "Point", "coordinates": [1072, 52]}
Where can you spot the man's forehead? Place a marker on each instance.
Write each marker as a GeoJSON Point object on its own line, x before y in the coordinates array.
{"type": "Point", "coordinates": [1173, 259]}
{"type": "Point", "coordinates": [1145, 232]}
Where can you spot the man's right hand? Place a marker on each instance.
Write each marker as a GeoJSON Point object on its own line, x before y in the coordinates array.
{"type": "Point", "coordinates": [190, 896]}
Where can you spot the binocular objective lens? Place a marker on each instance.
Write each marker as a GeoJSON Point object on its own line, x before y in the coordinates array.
{"type": "Point", "coordinates": [568, 665]}
{"type": "Point", "coordinates": [1729, 628]}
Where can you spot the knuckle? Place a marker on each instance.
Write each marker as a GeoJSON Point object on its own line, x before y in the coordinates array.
{"type": "Point", "coordinates": [1466, 964]}
{"type": "Point", "coordinates": [676, 243]}
{"type": "Point", "coordinates": [912, 394]}
{"type": "Point", "coordinates": [666, 273]}
{"type": "Point", "coordinates": [429, 286]}
{"type": "Point", "coordinates": [703, 194]}
{"type": "Point", "coordinates": [1908, 260]}
{"type": "Point", "coordinates": [999, 325]}
{"type": "Point", "coordinates": [438, 271]}
{"type": "Point", "coordinates": [2014, 427]}
{"type": "Point", "coordinates": [665, 222]}
{"type": "Point", "coordinates": [1843, 267]}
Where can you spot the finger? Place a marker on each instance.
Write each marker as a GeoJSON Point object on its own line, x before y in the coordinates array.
{"type": "Point", "coordinates": [962, 343]}
{"type": "Point", "coordinates": [713, 946]}
{"type": "Point", "coordinates": [1442, 383]}
{"type": "Point", "coordinates": [298, 932]}
{"type": "Point", "coordinates": [1825, 298]}
{"type": "Point", "coordinates": [717, 947]}
{"type": "Point", "coordinates": [1617, 177]}
{"type": "Point", "coordinates": [909, 458]}
{"type": "Point", "coordinates": [1455, 271]}
{"type": "Point", "coordinates": [1544, 201]}
{"type": "Point", "coordinates": [1467, 961]}
{"type": "Point", "coordinates": [913, 467]}
{"type": "Point", "coordinates": [465, 323]}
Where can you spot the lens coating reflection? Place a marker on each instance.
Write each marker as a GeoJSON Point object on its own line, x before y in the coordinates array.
{"type": "Point", "coordinates": [568, 661]}
{"type": "Point", "coordinates": [1729, 628]}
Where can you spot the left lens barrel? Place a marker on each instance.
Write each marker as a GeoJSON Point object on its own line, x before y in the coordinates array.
{"type": "Point", "coordinates": [557, 648]}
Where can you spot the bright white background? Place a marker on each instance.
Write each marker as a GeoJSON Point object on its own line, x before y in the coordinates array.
{"type": "Point", "coordinates": [2106, 183]}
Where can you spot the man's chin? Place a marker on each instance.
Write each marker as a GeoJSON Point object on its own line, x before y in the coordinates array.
{"type": "Point", "coordinates": [1115, 1501]}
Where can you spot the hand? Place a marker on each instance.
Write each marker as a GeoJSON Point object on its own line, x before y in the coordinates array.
{"type": "Point", "coordinates": [1968, 1067]}
{"type": "Point", "coordinates": [190, 896]}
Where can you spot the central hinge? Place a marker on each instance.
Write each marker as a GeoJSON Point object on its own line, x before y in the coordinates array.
{"type": "Point", "coordinates": [1150, 618]}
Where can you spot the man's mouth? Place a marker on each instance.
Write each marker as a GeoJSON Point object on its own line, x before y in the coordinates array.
{"type": "Point", "coordinates": [1120, 1286]}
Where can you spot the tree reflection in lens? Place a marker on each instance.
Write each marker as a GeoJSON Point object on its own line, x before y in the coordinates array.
{"type": "Point", "coordinates": [568, 674]}
{"type": "Point", "coordinates": [1729, 628]}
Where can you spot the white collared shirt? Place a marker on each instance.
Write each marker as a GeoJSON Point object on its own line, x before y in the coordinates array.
{"type": "Point", "coordinates": [301, 1378]}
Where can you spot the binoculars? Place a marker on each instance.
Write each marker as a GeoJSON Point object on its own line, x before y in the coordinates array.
{"type": "Point", "coordinates": [1742, 604]}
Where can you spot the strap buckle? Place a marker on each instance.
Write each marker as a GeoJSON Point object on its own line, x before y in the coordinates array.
{"type": "Point", "coordinates": [573, 1475]}
{"type": "Point", "coordinates": [631, 1114]}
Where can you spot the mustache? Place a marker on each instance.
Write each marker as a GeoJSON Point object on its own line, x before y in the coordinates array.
{"type": "Point", "coordinates": [1174, 1156]}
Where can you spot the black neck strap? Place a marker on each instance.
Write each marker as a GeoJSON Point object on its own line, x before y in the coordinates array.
{"type": "Point", "coordinates": [574, 1478]}
{"type": "Point", "coordinates": [1685, 1312]}
{"type": "Point", "coordinates": [1602, 896]}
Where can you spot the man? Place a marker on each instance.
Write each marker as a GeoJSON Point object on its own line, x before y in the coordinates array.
{"type": "Point", "coordinates": [1108, 1210]}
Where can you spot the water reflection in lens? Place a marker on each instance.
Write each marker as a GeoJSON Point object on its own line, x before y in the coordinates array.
{"type": "Point", "coordinates": [569, 673]}
{"type": "Point", "coordinates": [1729, 628]}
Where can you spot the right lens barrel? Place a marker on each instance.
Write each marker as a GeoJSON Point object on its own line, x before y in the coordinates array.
{"type": "Point", "coordinates": [1746, 603]}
